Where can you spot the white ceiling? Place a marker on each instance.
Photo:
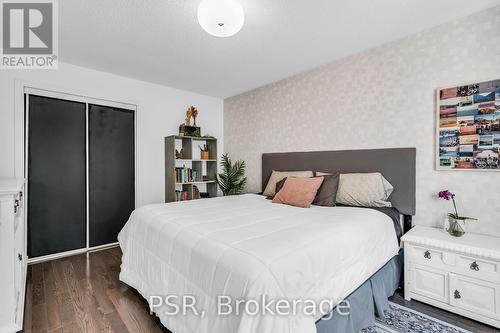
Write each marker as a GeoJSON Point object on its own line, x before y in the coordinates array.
{"type": "Point", "coordinates": [160, 40]}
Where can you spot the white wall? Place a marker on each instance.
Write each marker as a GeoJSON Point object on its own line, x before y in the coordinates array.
{"type": "Point", "coordinates": [384, 97]}
{"type": "Point", "coordinates": [160, 110]}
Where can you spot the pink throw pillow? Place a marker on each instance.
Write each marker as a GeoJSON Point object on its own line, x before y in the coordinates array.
{"type": "Point", "coordinates": [298, 192]}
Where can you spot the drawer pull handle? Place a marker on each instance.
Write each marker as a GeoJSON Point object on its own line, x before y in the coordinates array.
{"type": "Point", "coordinates": [457, 294]}
{"type": "Point", "coordinates": [474, 266]}
{"type": "Point", "coordinates": [427, 255]}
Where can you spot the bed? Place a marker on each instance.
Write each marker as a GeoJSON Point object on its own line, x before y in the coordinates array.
{"type": "Point", "coordinates": [245, 246]}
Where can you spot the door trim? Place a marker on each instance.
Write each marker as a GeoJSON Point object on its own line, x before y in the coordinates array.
{"type": "Point", "coordinates": [87, 173]}
{"type": "Point", "coordinates": [56, 256]}
{"type": "Point", "coordinates": [71, 253]}
{"type": "Point", "coordinates": [22, 93]}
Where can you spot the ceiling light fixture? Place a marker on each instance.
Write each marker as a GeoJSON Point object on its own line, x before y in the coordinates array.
{"type": "Point", "coordinates": [221, 18]}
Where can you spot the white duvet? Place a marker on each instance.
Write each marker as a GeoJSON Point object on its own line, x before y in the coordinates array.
{"type": "Point", "coordinates": [245, 247]}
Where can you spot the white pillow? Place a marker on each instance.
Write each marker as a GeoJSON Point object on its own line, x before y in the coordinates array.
{"type": "Point", "coordinates": [276, 176]}
{"type": "Point", "coordinates": [364, 189]}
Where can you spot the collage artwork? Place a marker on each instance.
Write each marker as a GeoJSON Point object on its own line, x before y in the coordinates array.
{"type": "Point", "coordinates": [469, 127]}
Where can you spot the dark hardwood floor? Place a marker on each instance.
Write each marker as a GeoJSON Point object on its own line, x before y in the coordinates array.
{"type": "Point", "coordinates": [83, 294]}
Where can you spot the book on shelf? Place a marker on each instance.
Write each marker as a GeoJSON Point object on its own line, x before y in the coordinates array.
{"type": "Point", "coordinates": [185, 175]}
{"type": "Point", "coordinates": [181, 195]}
{"type": "Point", "coordinates": [196, 192]}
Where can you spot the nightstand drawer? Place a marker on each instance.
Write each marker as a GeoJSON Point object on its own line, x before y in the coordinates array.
{"type": "Point", "coordinates": [477, 296]}
{"type": "Point", "coordinates": [479, 268]}
{"type": "Point", "coordinates": [431, 257]}
{"type": "Point", "coordinates": [430, 282]}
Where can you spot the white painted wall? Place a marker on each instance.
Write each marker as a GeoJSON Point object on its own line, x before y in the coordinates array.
{"type": "Point", "coordinates": [383, 97]}
{"type": "Point", "coordinates": [160, 110]}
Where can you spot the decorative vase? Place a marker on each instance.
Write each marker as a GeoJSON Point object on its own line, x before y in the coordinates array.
{"type": "Point", "coordinates": [456, 227]}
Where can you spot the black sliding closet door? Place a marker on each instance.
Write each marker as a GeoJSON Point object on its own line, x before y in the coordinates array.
{"type": "Point", "coordinates": [111, 172]}
{"type": "Point", "coordinates": [56, 176]}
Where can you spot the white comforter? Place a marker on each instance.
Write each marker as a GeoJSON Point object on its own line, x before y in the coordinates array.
{"type": "Point", "coordinates": [244, 247]}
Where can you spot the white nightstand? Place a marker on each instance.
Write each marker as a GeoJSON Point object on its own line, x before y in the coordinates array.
{"type": "Point", "coordinates": [461, 275]}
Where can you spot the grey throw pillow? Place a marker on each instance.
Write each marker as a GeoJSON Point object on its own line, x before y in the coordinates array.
{"type": "Point", "coordinates": [327, 193]}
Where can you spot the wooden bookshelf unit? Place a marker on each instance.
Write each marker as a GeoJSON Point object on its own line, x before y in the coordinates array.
{"type": "Point", "coordinates": [190, 177]}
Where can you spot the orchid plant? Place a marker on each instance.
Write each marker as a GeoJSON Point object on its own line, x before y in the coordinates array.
{"type": "Point", "coordinates": [455, 229]}
{"type": "Point", "coordinates": [447, 195]}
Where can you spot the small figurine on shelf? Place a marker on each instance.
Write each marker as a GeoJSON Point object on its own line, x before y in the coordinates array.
{"type": "Point", "coordinates": [188, 117]}
{"type": "Point", "coordinates": [179, 154]}
{"type": "Point", "coordinates": [186, 129]}
{"type": "Point", "coordinates": [191, 112]}
{"type": "Point", "coordinates": [194, 114]}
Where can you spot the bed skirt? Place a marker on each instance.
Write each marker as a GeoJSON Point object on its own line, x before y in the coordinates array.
{"type": "Point", "coordinates": [366, 302]}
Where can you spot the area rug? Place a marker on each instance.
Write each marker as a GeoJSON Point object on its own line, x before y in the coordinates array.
{"type": "Point", "coordinates": [400, 319]}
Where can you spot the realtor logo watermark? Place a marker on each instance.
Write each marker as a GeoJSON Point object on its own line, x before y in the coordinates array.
{"type": "Point", "coordinates": [29, 34]}
{"type": "Point", "coordinates": [174, 305]}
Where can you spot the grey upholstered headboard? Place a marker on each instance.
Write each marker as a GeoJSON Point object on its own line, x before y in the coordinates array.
{"type": "Point", "coordinates": [396, 164]}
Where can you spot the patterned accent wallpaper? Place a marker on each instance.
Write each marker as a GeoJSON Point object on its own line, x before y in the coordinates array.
{"type": "Point", "coordinates": [380, 98]}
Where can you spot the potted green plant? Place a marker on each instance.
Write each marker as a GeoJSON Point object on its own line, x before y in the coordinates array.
{"type": "Point", "coordinates": [231, 180]}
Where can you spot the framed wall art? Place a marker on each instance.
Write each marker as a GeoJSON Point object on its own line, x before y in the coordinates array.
{"type": "Point", "coordinates": [468, 127]}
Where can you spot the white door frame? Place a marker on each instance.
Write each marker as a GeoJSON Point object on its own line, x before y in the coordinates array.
{"type": "Point", "coordinates": [22, 92]}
